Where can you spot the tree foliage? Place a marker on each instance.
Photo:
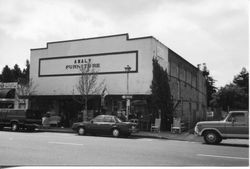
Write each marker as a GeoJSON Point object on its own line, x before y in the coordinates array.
{"type": "Point", "coordinates": [15, 74]}
{"type": "Point", "coordinates": [241, 80]}
{"type": "Point", "coordinates": [161, 96]}
{"type": "Point", "coordinates": [234, 96]}
{"type": "Point", "coordinates": [26, 72]}
{"type": "Point", "coordinates": [7, 75]}
{"type": "Point", "coordinates": [210, 83]}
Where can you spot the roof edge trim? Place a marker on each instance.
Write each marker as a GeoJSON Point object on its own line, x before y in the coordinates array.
{"type": "Point", "coordinates": [99, 37]}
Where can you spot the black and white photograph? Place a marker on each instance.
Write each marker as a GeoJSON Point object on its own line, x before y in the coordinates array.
{"type": "Point", "coordinates": [124, 83]}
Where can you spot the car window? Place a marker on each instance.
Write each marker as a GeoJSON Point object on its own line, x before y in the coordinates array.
{"type": "Point", "coordinates": [98, 119]}
{"type": "Point", "coordinates": [109, 119]}
{"type": "Point", "coordinates": [237, 117]}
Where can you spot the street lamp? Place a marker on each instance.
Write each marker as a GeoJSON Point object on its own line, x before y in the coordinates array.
{"type": "Point", "coordinates": [127, 69]}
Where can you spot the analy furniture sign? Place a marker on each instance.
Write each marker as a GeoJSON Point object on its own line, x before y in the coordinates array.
{"type": "Point", "coordinates": [103, 63]}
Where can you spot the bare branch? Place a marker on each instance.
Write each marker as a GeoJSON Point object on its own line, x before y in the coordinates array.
{"type": "Point", "coordinates": [26, 88]}
{"type": "Point", "coordinates": [87, 84]}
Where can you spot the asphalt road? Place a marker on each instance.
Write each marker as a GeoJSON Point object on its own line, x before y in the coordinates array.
{"type": "Point", "coordinates": [65, 149]}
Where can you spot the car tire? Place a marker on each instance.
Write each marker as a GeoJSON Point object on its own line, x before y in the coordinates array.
{"type": "Point", "coordinates": [14, 126]}
{"type": "Point", "coordinates": [212, 137]}
{"type": "Point", "coordinates": [81, 131]}
{"type": "Point", "coordinates": [219, 140]}
{"type": "Point", "coordinates": [115, 132]}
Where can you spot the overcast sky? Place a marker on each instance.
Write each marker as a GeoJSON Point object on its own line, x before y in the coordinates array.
{"type": "Point", "coordinates": [214, 32]}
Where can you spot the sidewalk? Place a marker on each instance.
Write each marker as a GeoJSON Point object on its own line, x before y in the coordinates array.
{"type": "Point", "coordinates": [185, 136]}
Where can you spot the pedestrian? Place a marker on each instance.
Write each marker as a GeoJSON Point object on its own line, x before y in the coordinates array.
{"type": "Point", "coordinates": [45, 120]}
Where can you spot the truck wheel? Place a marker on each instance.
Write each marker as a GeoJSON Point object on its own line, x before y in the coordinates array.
{"type": "Point", "coordinates": [81, 131]}
{"type": "Point", "coordinates": [115, 132]}
{"type": "Point", "coordinates": [219, 140]}
{"type": "Point", "coordinates": [14, 126]}
{"type": "Point", "coordinates": [211, 137]}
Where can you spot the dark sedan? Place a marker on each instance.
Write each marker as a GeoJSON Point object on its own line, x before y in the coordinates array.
{"type": "Point", "coordinates": [105, 125]}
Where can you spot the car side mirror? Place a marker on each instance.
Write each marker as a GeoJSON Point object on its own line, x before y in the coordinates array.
{"type": "Point", "coordinates": [91, 121]}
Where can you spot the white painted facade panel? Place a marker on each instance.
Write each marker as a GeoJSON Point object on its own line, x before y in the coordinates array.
{"type": "Point", "coordinates": [49, 73]}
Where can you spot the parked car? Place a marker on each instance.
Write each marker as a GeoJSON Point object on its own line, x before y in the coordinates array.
{"type": "Point", "coordinates": [105, 125]}
{"type": "Point", "coordinates": [235, 125]}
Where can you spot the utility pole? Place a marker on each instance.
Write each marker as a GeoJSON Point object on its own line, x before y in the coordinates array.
{"type": "Point", "coordinates": [127, 69]}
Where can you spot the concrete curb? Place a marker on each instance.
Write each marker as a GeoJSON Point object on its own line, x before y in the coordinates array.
{"type": "Point", "coordinates": [135, 135]}
{"type": "Point", "coordinates": [146, 136]}
{"type": "Point", "coordinates": [140, 135]}
{"type": "Point", "coordinates": [55, 131]}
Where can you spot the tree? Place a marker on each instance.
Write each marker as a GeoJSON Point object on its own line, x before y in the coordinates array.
{"type": "Point", "coordinates": [26, 71]}
{"type": "Point", "coordinates": [16, 72]}
{"type": "Point", "coordinates": [242, 80]}
{"type": "Point", "coordinates": [87, 85]}
{"type": "Point", "coordinates": [210, 83]}
{"type": "Point", "coordinates": [233, 96]}
{"type": "Point", "coordinates": [26, 88]}
{"type": "Point", "coordinates": [7, 75]}
{"type": "Point", "coordinates": [161, 96]}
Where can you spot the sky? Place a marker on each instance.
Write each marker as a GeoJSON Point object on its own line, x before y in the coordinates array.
{"type": "Point", "coordinates": [214, 32]}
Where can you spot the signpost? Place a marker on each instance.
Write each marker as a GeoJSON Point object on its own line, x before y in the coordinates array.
{"type": "Point", "coordinates": [127, 69]}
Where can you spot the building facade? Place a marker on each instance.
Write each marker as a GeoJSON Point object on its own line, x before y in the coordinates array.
{"type": "Point", "coordinates": [10, 97]}
{"type": "Point", "coordinates": [55, 72]}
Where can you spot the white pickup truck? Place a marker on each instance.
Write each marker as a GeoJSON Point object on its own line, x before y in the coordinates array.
{"type": "Point", "coordinates": [235, 125]}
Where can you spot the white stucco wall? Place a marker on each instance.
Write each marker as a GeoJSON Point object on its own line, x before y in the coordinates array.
{"type": "Point", "coordinates": [61, 53]}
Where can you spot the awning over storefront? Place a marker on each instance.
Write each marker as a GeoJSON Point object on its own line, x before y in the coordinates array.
{"type": "Point", "coordinates": [7, 93]}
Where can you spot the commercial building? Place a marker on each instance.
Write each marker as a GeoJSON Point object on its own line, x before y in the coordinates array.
{"type": "Point", "coordinates": [9, 97]}
{"type": "Point", "coordinates": [55, 72]}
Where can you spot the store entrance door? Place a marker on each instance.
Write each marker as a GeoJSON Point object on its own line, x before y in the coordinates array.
{"type": "Point", "coordinates": [69, 112]}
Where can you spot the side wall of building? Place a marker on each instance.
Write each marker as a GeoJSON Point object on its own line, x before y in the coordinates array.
{"type": "Point", "coordinates": [187, 85]}
{"type": "Point", "coordinates": [188, 89]}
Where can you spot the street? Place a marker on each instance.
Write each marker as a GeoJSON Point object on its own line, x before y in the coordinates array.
{"type": "Point", "coordinates": [67, 149]}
